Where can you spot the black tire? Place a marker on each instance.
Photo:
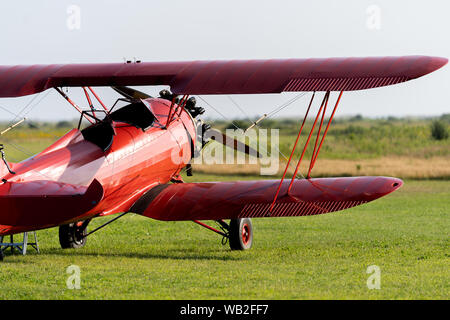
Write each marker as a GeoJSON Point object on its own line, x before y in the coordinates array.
{"type": "Point", "coordinates": [2, 255]}
{"type": "Point", "coordinates": [72, 236]}
{"type": "Point", "coordinates": [241, 234]}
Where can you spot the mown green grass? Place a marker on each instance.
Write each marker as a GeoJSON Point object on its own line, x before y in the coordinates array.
{"type": "Point", "coordinates": [406, 234]}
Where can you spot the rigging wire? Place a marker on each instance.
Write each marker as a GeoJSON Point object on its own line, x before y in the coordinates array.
{"type": "Point", "coordinates": [277, 110]}
{"type": "Point", "coordinates": [37, 103]}
{"type": "Point", "coordinates": [271, 114]}
{"type": "Point", "coordinates": [285, 105]}
{"type": "Point", "coordinates": [5, 109]}
{"type": "Point", "coordinates": [27, 106]}
{"type": "Point", "coordinates": [18, 147]}
{"type": "Point", "coordinates": [237, 106]}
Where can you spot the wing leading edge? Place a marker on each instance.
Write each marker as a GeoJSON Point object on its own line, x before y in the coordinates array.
{"type": "Point", "coordinates": [224, 77]}
{"type": "Point", "coordinates": [240, 199]}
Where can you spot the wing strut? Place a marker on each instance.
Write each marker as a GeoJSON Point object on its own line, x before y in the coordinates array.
{"type": "Point", "coordinates": [179, 108]}
{"type": "Point", "coordinates": [73, 104]}
{"type": "Point", "coordinates": [314, 157]}
{"type": "Point", "coordinates": [317, 147]}
{"type": "Point", "coordinates": [85, 113]}
{"type": "Point", "coordinates": [98, 99]}
{"type": "Point", "coordinates": [89, 101]}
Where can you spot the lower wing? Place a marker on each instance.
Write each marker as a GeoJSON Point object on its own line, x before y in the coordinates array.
{"type": "Point", "coordinates": [240, 199]}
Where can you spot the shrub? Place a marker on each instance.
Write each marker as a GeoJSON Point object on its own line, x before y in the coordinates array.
{"type": "Point", "coordinates": [438, 130]}
{"type": "Point", "coordinates": [358, 117]}
{"type": "Point", "coordinates": [63, 124]}
{"type": "Point", "coordinates": [353, 130]}
{"type": "Point", "coordinates": [241, 124]}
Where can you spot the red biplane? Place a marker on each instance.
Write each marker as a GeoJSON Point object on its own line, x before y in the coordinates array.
{"type": "Point", "coordinates": [129, 159]}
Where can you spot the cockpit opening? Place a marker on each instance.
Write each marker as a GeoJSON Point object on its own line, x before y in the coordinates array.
{"type": "Point", "coordinates": [102, 133]}
{"type": "Point", "coordinates": [136, 114]}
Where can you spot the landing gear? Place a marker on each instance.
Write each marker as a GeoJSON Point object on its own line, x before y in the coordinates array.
{"type": "Point", "coordinates": [73, 235]}
{"type": "Point", "coordinates": [241, 234]}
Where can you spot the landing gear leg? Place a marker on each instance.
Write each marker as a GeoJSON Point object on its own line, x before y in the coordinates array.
{"type": "Point", "coordinates": [73, 235]}
{"type": "Point", "coordinates": [239, 232]}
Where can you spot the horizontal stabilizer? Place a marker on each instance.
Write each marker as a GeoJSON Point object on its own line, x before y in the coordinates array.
{"type": "Point", "coordinates": [239, 199]}
{"type": "Point", "coordinates": [27, 204]}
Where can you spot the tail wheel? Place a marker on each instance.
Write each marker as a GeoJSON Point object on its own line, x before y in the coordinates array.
{"type": "Point", "coordinates": [72, 235]}
{"type": "Point", "coordinates": [241, 234]}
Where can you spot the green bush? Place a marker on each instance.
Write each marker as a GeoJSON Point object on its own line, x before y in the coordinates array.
{"type": "Point", "coordinates": [438, 130]}
{"type": "Point", "coordinates": [63, 124]}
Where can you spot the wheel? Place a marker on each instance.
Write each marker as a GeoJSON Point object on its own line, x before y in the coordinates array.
{"type": "Point", "coordinates": [72, 235]}
{"type": "Point", "coordinates": [1, 250]}
{"type": "Point", "coordinates": [241, 234]}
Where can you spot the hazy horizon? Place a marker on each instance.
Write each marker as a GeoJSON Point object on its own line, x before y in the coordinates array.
{"type": "Point", "coordinates": [48, 32]}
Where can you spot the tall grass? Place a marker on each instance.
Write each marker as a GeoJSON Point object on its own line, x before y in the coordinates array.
{"type": "Point", "coordinates": [402, 147]}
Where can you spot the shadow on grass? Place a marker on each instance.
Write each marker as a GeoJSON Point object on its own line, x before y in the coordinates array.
{"type": "Point", "coordinates": [167, 255]}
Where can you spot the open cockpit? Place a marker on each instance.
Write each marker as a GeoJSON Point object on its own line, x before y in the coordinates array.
{"type": "Point", "coordinates": [101, 133]}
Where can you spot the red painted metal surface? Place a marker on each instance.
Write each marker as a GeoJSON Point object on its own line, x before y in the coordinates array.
{"type": "Point", "coordinates": [224, 77]}
{"type": "Point", "coordinates": [246, 234]}
{"type": "Point", "coordinates": [44, 203]}
{"type": "Point", "coordinates": [48, 189]}
{"type": "Point", "coordinates": [240, 199]}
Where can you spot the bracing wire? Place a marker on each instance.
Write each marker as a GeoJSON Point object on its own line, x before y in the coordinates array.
{"type": "Point", "coordinates": [18, 115]}
{"type": "Point", "coordinates": [272, 113]}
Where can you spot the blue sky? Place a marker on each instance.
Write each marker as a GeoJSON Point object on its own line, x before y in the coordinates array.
{"type": "Point", "coordinates": [107, 31]}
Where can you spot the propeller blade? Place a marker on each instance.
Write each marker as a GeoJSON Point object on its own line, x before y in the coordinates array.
{"type": "Point", "coordinates": [232, 143]}
{"type": "Point", "coordinates": [131, 93]}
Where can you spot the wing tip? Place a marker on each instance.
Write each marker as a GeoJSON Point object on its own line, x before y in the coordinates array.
{"type": "Point", "coordinates": [437, 63]}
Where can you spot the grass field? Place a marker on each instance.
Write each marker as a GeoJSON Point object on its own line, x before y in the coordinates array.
{"type": "Point", "coordinates": [406, 234]}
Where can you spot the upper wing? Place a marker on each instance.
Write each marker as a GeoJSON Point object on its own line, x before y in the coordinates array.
{"type": "Point", "coordinates": [239, 199]}
{"type": "Point", "coordinates": [224, 77]}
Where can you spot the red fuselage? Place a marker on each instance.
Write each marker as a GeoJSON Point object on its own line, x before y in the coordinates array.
{"type": "Point", "coordinates": [136, 161]}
